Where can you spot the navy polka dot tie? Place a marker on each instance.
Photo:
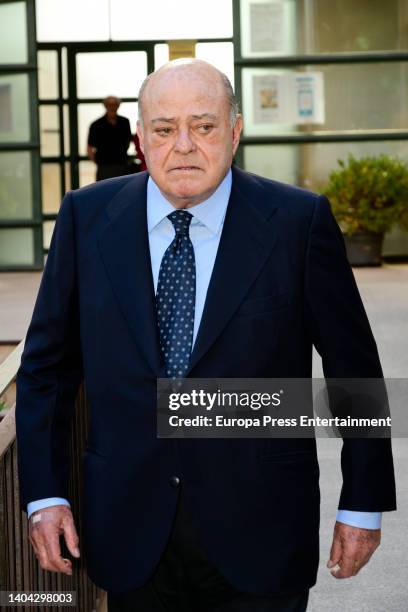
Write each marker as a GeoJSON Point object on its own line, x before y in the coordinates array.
{"type": "Point", "coordinates": [175, 297]}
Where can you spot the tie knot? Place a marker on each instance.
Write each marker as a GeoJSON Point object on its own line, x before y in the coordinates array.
{"type": "Point", "coordinates": [181, 220]}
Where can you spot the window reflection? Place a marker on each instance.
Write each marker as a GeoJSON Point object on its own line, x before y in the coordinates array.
{"type": "Point", "coordinates": [369, 96]}
{"type": "Point", "coordinates": [14, 108]}
{"type": "Point", "coordinates": [15, 185]}
{"type": "Point", "coordinates": [13, 33]}
{"type": "Point", "coordinates": [297, 27]}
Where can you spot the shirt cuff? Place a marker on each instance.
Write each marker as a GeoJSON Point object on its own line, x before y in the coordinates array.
{"type": "Point", "coordinates": [365, 520]}
{"type": "Point", "coordinates": [44, 503]}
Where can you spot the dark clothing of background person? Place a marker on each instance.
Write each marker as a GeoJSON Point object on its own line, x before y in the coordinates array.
{"type": "Point", "coordinates": [111, 141]}
{"type": "Point", "coordinates": [139, 154]}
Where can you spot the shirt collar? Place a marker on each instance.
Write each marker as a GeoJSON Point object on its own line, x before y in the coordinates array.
{"type": "Point", "coordinates": [210, 213]}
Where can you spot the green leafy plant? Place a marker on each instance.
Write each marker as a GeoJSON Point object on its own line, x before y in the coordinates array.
{"type": "Point", "coordinates": [369, 194]}
{"type": "Point", "coordinates": [3, 405]}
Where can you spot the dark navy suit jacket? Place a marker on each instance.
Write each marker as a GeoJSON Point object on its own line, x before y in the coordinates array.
{"type": "Point", "coordinates": [280, 284]}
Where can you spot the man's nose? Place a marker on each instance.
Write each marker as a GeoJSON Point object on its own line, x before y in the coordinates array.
{"type": "Point", "coordinates": [184, 143]}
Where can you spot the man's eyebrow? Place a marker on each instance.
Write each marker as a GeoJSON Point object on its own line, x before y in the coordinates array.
{"type": "Point", "coordinates": [163, 120]}
{"type": "Point", "coordinates": [174, 120]}
{"type": "Point", "coordinates": [205, 116]}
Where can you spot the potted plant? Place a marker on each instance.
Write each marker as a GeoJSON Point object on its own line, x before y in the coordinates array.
{"type": "Point", "coordinates": [368, 196]}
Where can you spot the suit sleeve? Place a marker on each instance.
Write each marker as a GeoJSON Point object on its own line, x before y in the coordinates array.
{"type": "Point", "coordinates": [50, 372]}
{"type": "Point", "coordinates": [342, 335]}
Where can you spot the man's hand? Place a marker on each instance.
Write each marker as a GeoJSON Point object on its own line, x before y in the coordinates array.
{"type": "Point", "coordinates": [91, 152]}
{"type": "Point", "coordinates": [45, 527]}
{"type": "Point", "coordinates": [351, 549]}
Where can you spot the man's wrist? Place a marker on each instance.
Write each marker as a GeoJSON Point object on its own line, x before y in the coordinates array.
{"type": "Point", "coordinates": [45, 503]}
{"type": "Point", "coordinates": [364, 520]}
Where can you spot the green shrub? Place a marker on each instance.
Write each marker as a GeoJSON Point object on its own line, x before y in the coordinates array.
{"type": "Point", "coordinates": [369, 194]}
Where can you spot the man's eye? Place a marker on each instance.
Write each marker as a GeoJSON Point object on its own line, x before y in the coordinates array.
{"type": "Point", "coordinates": [165, 131]}
{"type": "Point", "coordinates": [205, 128]}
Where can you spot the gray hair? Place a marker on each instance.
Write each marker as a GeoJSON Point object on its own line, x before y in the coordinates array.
{"type": "Point", "coordinates": [229, 92]}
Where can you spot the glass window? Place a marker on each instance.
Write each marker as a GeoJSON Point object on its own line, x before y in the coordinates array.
{"type": "Point", "coordinates": [87, 173]}
{"type": "Point", "coordinates": [161, 19]}
{"type": "Point", "coordinates": [309, 165]}
{"type": "Point", "coordinates": [116, 73]}
{"type": "Point", "coordinates": [16, 247]}
{"type": "Point", "coordinates": [49, 130]}
{"type": "Point", "coordinates": [285, 27]}
{"type": "Point", "coordinates": [161, 55]}
{"type": "Point", "coordinates": [13, 33]}
{"type": "Point", "coordinates": [16, 198]}
{"type": "Point", "coordinates": [48, 228]}
{"type": "Point", "coordinates": [47, 74]}
{"type": "Point", "coordinates": [355, 97]}
{"type": "Point", "coordinates": [87, 113]}
{"type": "Point", "coordinates": [366, 25]}
{"type": "Point", "coordinates": [65, 111]}
{"type": "Point", "coordinates": [268, 28]}
{"type": "Point", "coordinates": [14, 108]}
{"type": "Point", "coordinates": [64, 70]}
{"type": "Point", "coordinates": [71, 20]}
{"type": "Point", "coordinates": [51, 188]}
{"type": "Point", "coordinates": [67, 176]}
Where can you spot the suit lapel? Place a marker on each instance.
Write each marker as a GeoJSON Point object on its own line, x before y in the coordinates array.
{"type": "Point", "coordinates": [247, 239]}
{"type": "Point", "coordinates": [124, 247]}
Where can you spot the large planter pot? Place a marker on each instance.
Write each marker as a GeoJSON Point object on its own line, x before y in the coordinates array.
{"type": "Point", "coordinates": [364, 248]}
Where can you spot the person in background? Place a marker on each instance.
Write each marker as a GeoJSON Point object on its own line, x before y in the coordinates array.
{"type": "Point", "coordinates": [108, 141]}
{"type": "Point", "coordinates": [139, 154]}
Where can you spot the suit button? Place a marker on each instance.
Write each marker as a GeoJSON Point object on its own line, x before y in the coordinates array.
{"type": "Point", "coordinates": [174, 481]}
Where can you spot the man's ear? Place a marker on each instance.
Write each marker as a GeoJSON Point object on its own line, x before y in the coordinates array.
{"type": "Point", "coordinates": [236, 133]}
{"type": "Point", "coordinates": [139, 132]}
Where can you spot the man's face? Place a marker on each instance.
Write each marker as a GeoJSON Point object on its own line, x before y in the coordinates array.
{"type": "Point", "coordinates": [187, 137]}
{"type": "Point", "coordinates": [112, 107]}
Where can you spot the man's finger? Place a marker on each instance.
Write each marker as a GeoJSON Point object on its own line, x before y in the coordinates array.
{"type": "Point", "coordinates": [71, 536]}
{"type": "Point", "coordinates": [348, 567]}
{"type": "Point", "coordinates": [335, 552]}
{"type": "Point", "coordinates": [53, 547]}
{"type": "Point", "coordinates": [40, 551]}
{"type": "Point", "coordinates": [46, 547]}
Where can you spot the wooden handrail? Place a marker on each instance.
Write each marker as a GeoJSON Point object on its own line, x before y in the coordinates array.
{"type": "Point", "coordinates": [9, 368]}
{"type": "Point", "coordinates": [19, 569]}
{"type": "Point", "coordinates": [7, 430]}
{"type": "Point", "coordinates": [8, 373]}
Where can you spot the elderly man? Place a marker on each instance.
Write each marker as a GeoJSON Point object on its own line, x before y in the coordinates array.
{"type": "Point", "coordinates": [108, 141]}
{"type": "Point", "coordinates": [253, 272]}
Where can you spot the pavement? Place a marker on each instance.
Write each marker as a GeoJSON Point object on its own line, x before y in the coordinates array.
{"type": "Point", "coordinates": [381, 586]}
{"type": "Point", "coordinates": [17, 296]}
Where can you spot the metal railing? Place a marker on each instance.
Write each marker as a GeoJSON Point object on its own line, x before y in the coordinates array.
{"type": "Point", "coordinates": [19, 569]}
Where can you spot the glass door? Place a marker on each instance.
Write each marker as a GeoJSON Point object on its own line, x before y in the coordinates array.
{"type": "Point", "coordinates": [20, 201]}
{"type": "Point", "coordinates": [74, 78]}
{"type": "Point", "coordinates": [97, 74]}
